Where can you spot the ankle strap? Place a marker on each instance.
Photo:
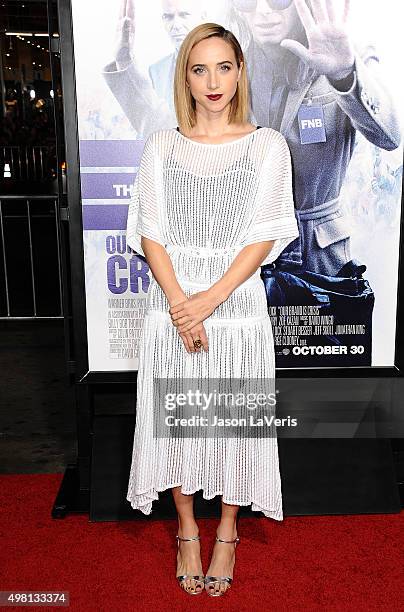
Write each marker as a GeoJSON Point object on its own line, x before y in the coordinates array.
{"type": "Point", "coordinates": [188, 539]}
{"type": "Point", "coordinates": [237, 539]}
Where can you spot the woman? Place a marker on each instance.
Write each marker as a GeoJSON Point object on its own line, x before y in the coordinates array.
{"type": "Point", "coordinates": [212, 202]}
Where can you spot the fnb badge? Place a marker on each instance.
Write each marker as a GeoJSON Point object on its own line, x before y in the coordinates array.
{"type": "Point", "coordinates": [311, 124]}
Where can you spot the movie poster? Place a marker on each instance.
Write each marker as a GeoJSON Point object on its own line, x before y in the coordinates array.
{"type": "Point", "coordinates": [332, 293]}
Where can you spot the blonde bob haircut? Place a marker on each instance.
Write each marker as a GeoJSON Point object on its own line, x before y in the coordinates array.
{"type": "Point", "coordinates": [183, 100]}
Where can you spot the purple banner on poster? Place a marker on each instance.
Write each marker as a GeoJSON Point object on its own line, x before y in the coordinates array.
{"type": "Point", "coordinates": [105, 217]}
{"type": "Point", "coordinates": [110, 153]}
{"type": "Point", "coordinates": [105, 186]}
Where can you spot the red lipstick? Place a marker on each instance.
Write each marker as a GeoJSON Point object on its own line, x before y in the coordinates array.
{"type": "Point", "coordinates": [214, 96]}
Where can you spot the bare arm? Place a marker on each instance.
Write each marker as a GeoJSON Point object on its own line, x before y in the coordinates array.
{"type": "Point", "coordinates": [247, 261]}
{"type": "Point", "coordinates": [162, 269]}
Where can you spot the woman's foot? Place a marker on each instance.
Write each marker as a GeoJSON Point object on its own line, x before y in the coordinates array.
{"type": "Point", "coordinates": [189, 558]}
{"type": "Point", "coordinates": [223, 558]}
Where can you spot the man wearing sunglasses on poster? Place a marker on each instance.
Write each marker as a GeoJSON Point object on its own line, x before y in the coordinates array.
{"type": "Point", "coordinates": [321, 91]}
{"type": "Point", "coordinates": [310, 82]}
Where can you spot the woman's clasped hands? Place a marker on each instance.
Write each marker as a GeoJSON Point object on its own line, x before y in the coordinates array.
{"type": "Point", "coordinates": [188, 316]}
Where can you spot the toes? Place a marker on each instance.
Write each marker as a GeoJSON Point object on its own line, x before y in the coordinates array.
{"type": "Point", "coordinates": [194, 586]}
{"type": "Point", "coordinates": [218, 587]}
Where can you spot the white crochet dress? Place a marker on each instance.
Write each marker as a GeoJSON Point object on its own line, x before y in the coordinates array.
{"type": "Point", "coordinates": [204, 203]}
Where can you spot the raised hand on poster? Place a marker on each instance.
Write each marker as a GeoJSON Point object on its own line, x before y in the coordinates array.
{"type": "Point", "coordinates": [125, 34]}
{"type": "Point", "coordinates": [330, 50]}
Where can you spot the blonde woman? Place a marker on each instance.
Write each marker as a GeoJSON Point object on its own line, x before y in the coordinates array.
{"type": "Point", "coordinates": [211, 203]}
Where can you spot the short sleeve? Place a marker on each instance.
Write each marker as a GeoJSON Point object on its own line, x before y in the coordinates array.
{"type": "Point", "coordinates": [143, 217]}
{"type": "Point", "coordinates": [275, 218]}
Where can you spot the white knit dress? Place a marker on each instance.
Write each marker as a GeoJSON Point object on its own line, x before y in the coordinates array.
{"type": "Point", "coordinates": [204, 203]}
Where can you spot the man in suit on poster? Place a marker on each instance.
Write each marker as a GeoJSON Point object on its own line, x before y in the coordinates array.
{"type": "Point", "coordinates": [324, 91]}
{"type": "Point", "coordinates": [319, 78]}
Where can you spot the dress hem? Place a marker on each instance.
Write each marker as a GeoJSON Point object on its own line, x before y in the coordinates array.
{"type": "Point", "coordinates": [254, 506]}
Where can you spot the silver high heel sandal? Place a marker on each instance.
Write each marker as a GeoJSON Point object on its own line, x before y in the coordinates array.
{"type": "Point", "coordinates": [200, 580]}
{"type": "Point", "coordinates": [212, 579]}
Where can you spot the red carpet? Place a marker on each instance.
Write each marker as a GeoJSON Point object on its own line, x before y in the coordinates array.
{"type": "Point", "coordinates": [322, 563]}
